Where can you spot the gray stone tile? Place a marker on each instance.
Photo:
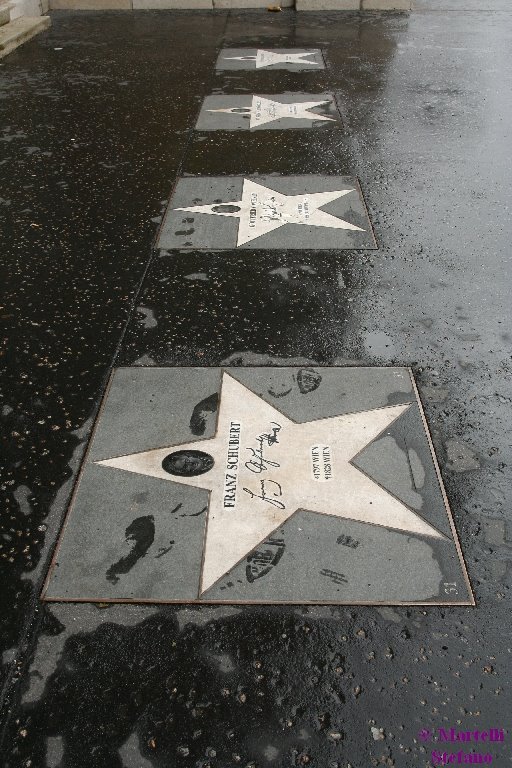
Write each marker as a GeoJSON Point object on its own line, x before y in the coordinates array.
{"type": "Point", "coordinates": [398, 461]}
{"type": "Point", "coordinates": [156, 411]}
{"type": "Point", "coordinates": [129, 538]}
{"type": "Point", "coordinates": [291, 59]}
{"type": "Point", "coordinates": [266, 212]}
{"type": "Point", "coordinates": [314, 558]}
{"type": "Point", "coordinates": [258, 112]}
{"type": "Point", "coordinates": [290, 484]}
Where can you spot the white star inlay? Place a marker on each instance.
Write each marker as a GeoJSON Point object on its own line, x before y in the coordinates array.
{"type": "Point", "coordinates": [263, 111]}
{"type": "Point", "coordinates": [266, 467]}
{"type": "Point", "coordinates": [262, 210]}
{"type": "Point", "coordinates": [267, 58]}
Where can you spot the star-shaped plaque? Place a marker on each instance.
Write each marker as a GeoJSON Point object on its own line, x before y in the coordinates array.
{"type": "Point", "coordinates": [263, 468]}
{"type": "Point", "coordinates": [241, 513]}
{"type": "Point", "coordinates": [293, 212]}
{"type": "Point", "coordinates": [261, 210]}
{"type": "Point", "coordinates": [280, 58]}
{"type": "Point", "coordinates": [257, 112]}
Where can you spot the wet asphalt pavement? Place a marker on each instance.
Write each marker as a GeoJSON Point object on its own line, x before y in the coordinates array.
{"type": "Point", "coordinates": [97, 122]}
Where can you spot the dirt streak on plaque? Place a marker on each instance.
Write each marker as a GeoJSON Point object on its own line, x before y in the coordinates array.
{"type": "Point", "coordinates": [337, 578]}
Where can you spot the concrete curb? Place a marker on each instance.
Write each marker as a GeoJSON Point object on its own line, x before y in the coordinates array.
{"type": "Point", "coordinates": [202, 5]}
{"type": "Point", "coordinates": [18, 31]}
{"type": "Point", "coordinates": [353, 5]}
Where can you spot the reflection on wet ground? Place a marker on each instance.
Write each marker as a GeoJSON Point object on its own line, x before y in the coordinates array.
{"type": "Point", "coordinates": [98, 123]}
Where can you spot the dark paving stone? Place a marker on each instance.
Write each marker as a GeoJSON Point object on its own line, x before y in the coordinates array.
{"type": "Point", "coordinates": [258, 485]}
{"type": "Point", "coordinates": [193, 313]}
{"type": "Point", "coordinates": [426, 108]}
{"type": "Point", "coordinates": [270, 152]}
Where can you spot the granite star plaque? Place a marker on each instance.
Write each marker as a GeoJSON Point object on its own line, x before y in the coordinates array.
{"type": "Point", "coordinates": [278, 485]}
{"type": "Point", "coordinates": [276, 112]}
{"type": "Point", "coordinates": [266, 212]}
{"type": "Point", "coordinates": [292, 59]}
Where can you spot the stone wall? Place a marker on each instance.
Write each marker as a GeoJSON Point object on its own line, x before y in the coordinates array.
{"type": "Point", "coordinates": [300, 5]}
{"type": "Point", "coordinates": [28, 8]}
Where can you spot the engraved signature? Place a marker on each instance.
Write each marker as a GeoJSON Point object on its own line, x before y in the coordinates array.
{"type": "Point", "coordinates": [270, 495]}
{"type": "Point", "coordinates": [258, 462]}
{"type": "Point", "coordinates": [270, 210]}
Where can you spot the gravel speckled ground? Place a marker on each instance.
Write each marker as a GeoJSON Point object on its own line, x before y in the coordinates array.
{"type": "Point", "coordinates": [97, 118]}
